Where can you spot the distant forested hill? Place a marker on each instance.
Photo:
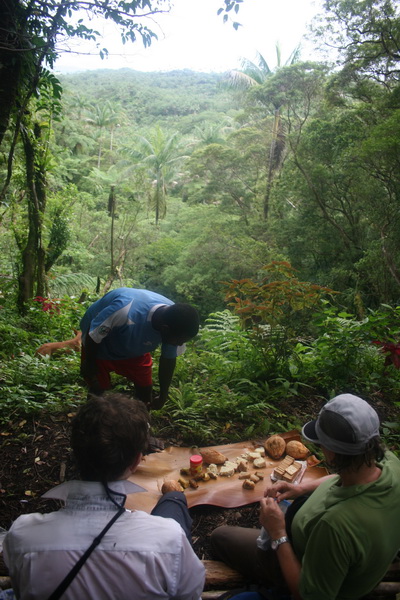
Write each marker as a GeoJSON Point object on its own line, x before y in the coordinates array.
{"type": "Point", "coordinates": [160, 96]}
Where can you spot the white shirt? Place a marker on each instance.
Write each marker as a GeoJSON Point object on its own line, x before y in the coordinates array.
{"type": "Point", "coordinates": [141, 557]}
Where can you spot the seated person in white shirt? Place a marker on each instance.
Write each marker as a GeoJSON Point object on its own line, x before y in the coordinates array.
{"type": "Point", "coordinates": [140, 556]}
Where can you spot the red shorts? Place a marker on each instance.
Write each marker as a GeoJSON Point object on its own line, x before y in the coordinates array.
{"type": "Point", "coordinates": [137, 369]}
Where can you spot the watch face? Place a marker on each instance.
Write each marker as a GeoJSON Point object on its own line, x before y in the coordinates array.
{"type": "Point", "coordinates": [274, 545]}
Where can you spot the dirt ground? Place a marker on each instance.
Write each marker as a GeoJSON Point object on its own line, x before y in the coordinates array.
{"type": "Point", "coordinates": [35, 456]}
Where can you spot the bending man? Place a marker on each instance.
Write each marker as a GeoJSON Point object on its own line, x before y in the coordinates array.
{"type": "Point", "coordinates": [119, 332]}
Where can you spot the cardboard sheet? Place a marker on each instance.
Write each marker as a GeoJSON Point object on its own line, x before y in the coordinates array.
{"type": "Point", "coordinates": [226, 492]}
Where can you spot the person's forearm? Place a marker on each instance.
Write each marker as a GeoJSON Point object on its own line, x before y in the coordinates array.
{"type": "Point", "coordinates": [282, 490]}
{"type": "Point", "coordinates": [166, 370]}
{"type": "Point", "coordinates": [290, 567]}
{"type": "Point", "coordinates": [89, 365]}
{"type": "Point", "coordinates": [90, 357]}
{"type": "Point", "coordinates": [273, 520]}
{"type": "Point", "coordinates": [309, 485]}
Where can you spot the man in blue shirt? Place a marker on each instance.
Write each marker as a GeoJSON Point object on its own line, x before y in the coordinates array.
{"type": "Point", "coordinates": [119, 332]}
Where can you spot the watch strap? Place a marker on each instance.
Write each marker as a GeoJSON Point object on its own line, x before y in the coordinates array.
{"type": "Point", "coordinates": [276, 543]}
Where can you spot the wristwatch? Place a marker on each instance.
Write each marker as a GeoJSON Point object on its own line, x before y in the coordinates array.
{"type": "Point", "coordinates": [276, 543]}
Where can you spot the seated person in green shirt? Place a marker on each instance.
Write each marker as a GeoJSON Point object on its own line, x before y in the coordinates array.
{"type": "Point", "coordinates": [346, 532]}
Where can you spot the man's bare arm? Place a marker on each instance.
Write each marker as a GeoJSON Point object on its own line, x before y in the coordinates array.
{"type": "Point", "coordinates": [273, 520]}
{"type": "Point", "coordinates": [282, 490]}
{"type": "Point", "coordinates": [166, 368]}
{"type": "Point", "coordinates": [89, 366]}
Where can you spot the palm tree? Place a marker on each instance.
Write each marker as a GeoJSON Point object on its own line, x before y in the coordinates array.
{"type": "Point", "coordinates": [255, 74]}
{"type": "Point", "coordinates": [211, 133]}
{"type": "Point", "coordinates": [161, 155]}
{"type": "Point", "coordinates": [104, 116]}
{"type": "Point", "coordinates": [80, 103]}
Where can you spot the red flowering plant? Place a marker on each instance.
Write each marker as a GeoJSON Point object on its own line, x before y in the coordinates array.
{"type": "Point", "coordinates": [392, 351]}
{"type": "Point", "coordinates": [384, 326]}
{"type": "Point", "coordinates": [48, 305]}
{"type": "Point", "coordinates": [54, 319]}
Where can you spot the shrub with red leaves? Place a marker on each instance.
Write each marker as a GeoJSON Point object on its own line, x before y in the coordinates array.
{"type": "Point", "coordinates": [48, 305]}
{"type": "Point", "coordinates": [393, 353]}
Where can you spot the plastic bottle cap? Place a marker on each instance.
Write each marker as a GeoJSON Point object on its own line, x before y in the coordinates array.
{"type": "Point", "coordinates": [196, 459]}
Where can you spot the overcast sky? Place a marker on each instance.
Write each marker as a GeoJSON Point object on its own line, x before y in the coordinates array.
{"type": "Point", "coordinates": [193, 36]}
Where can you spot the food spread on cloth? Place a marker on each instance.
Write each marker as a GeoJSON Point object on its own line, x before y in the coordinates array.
{"type": "Point", "coordinates": [230, 476]}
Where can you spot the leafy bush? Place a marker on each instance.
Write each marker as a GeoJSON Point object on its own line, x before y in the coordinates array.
{"type": "Point", "coordinates": [29, 384]}
{"type": "Point", "coordinates": [344, 355]}
{"type": "Point", "coordinates": [275, 310]}
{"type": "Point", "coordinates": [54, 319]}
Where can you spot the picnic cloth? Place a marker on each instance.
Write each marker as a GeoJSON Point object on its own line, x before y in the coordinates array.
{"type": "Point", "coordinates": [226, 492]}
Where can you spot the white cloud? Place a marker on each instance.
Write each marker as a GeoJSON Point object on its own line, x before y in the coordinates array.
{"type": "Point", "coordinates": [193, 36]}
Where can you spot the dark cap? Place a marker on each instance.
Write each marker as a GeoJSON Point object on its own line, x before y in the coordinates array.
{"type": "Point", "coordinates": [344, 425]}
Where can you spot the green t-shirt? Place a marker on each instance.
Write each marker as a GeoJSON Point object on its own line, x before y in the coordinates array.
{"type": "Point", "coordinates": [345, 537]}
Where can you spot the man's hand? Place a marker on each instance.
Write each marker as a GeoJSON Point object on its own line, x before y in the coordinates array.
{"type": "Point", "coordinates": [272, 518]}
{"type": "Point", "coordinates": [95, 388]}
{"type": "Point", "coordinates": [158, 402]}
{"type": "Point", "coordinates": [282, 490]}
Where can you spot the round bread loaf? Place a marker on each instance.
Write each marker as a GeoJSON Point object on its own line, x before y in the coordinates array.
{"type": "Point", "coordinates": [275, 446]}
{"type": "Point", "coordinates": [297, 450]}
{"type": "Point", "coordinates": [171, 485]}
{"type": "Point", "coordinates": [211, 456]}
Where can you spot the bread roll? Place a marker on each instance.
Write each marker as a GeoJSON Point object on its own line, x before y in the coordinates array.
{"type": "Point", "coordinates": [212, 456]}
{"type": "Point", "coordinates": [275, 446]}
{"type": "Point", "coordinates": [297, 450]}
{"type": "Point", "coordinates": [171, 485]}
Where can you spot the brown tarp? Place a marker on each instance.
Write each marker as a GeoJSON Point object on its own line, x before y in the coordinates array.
{"type": "Point", "coordinates": [226, 492]}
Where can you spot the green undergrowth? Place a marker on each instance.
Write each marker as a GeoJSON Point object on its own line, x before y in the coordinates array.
{"type": "Point", "coordinates": [232, 383]}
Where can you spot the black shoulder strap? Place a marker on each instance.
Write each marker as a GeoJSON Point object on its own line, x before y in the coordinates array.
{"type": "Point", "coordinates": [58, 592]}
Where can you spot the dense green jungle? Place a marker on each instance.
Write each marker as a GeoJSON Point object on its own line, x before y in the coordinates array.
{"type": "Point", "coordinates": [267, 197]}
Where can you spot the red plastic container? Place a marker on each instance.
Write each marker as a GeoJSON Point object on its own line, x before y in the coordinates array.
{"type": "Point", "coordinates": [196, 465]}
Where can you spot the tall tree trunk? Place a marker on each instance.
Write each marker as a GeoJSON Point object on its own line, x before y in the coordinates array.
{"type": "Point", "coordinates": [11, 59]}
{"type": "Point", "coordinates": [111, 212]}
{"type": "Point", "coordinates": [389, 259]}
{"type": "Point", "coordinates": [117, 271]}
{"type": "Point", "coordinates": [272, 161]}
{"type": "Point", "coordinates": [32, 279]}
{"type": "Point", "coordinates": [157, 200]}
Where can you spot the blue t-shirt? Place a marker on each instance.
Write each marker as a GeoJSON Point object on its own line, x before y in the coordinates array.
{"type": "Point", "coordinates": [120, 323]}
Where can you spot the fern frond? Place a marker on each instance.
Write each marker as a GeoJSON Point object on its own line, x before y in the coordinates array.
{"type": "Point", "coordinates": [72, 284]}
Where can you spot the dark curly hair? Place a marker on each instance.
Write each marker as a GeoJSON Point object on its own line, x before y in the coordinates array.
{"type": "Point", "coordinates": [373, 453]}
{"type": "Point", "coordinates": [108, 433]}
